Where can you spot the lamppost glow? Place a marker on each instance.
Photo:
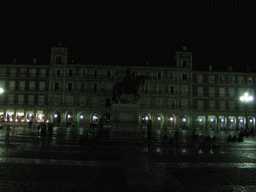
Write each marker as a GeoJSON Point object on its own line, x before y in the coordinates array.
{"type": "Point", "coordinates": [159, 118]}
{"type": "Point", "coordinates": [81, 116]}
{"type": "Point", "coordinates": [201, 120]}
{"type": "Point", "coordinates": [232, 120]}
{"type": "Point", "coordinates": [250, 120]}
{"type": "Point", "coordinates": [55, 115]}
{"type": "Point", "coordinates": [171, 118]}
{"type": "Point", "coordinates": [184, 120]}
{"type": "Point", "coordinates": [212, 120]}
{"type": "Point", "coordinates": [246, 98]}
{"type": "Point", "coordinates": [68, 116]}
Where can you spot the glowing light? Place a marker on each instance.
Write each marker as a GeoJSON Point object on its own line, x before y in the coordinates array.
{"type": "Point", "coordinates": [29, 115]}
{"type": "Point", "coordinates": [246, 97]}
{"type": "Point", "coordinates": [1, 90]}
{"type": "Point", "coordinates": [241, 120]}
{"type": "Point", "coordinates": [16, 120]}
{"type": "Point", "coordinates": [10, 119]}
{"type": "Point", "coordinates": [184, 120]}
{"type": "Point", "coordinates": [200, 120]}
{"type": "Point", "coordinates": [27, 120]}
{"type": "Point", "coordinates": [94, 117]}
{"type": "Point", "coordinates": [146, 118]}
{"type": "Point", "coordinates": [212, 120]}
{"type": "Point", "coordinates": [159, 118]}
{"type": "Point", "coordinates": [22, 120]}
{"type": "Point", "coordinates": [47, 121]}
{"type": "Point", "coordinates": [55, 115]}
{"type": "Point", "coordinates": [68, 116]}
{"type": "Point", "coordinates": [9, 114]}
{"type": "Point", "coordinates": [222, 120]}
{"type": "Point", "coordinates": [232, 120]}
{"type": "Point", "coordinates": [81, 116]}
{"type": "Point", "coordinates": [250, 120]}
{"type": "Point", "coordinates": [171, 118]}
{"type": "Point", "coordinates": [5, 119]}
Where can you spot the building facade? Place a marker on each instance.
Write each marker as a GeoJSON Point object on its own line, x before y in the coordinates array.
{"type": "Point", "coordinates": [172, 97]}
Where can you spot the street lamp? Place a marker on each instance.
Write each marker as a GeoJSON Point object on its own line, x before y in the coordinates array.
{"type": "Point", "coordinates": [246, 98]}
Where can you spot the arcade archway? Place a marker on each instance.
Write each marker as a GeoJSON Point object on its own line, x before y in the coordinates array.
{"type": "Point", "coordinates": [56, 118]}
{"type": "Point", "coordinates": [145, 119]}
{"type": "Point", "coordinates": [94, 118]}
{"type": "Point", "coordinates": [183, 122]}
{"type": "Point", "coordinates": [69, 118]}
{"type": "Point", "coordinates": [81, 119]}
{"type": "Point", "coordinates": [170, 121]}
{"type": "Point", "coordinates": [159, 123]}
{"type": "Point", "coordinates": [107, 120]}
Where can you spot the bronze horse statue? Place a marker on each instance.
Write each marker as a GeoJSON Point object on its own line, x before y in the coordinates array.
{"type": "Point", "coordinates": [128, 87]}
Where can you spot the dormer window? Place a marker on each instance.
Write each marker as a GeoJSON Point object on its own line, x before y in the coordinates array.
{"type": "Point", "coordinates": [159, 76]}
{"type": "Point", "coordinates": [184, 77]}
{"type": "Point", "coordinates": [58, 60]}
{"type": "Point", "coordinates": [184, 64]}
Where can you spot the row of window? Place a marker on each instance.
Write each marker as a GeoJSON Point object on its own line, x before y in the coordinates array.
{"type": "Point", "coordinates": [222, 91]}
{"type": "Point", "coordinates": [29, 98]}
{"type": "Point", "coordinates": [23, 72]}
{"type": "Point", "coordinates": [22, 85]}
{"type": "Point", "coordinates": [95, 74]}
{"type": "Point", "coordinates": [222, 105]}
{"type": "Point", "coordinates": [223, 79]}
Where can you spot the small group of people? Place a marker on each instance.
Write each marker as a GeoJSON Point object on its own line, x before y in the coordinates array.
{"type": "Point", "coordinates": [174, 138]}
{"type": "Point", "coordinates": [43, 128]}
{"type": "Point", "coordinates": [235, 138]}
{"type": "Point", "coordinates": [70, 124]}
{"type": "Point", "coordinates": [204, 141]}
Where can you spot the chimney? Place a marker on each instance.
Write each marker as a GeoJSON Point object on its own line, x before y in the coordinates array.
{"type": "Point", "coordinates": [210, 68]}
{"type": "Point", "coordinates": [230, 68]}
{"type": "Point", "coordinates": [15, 60]}
{"type": "Point", "coordinates": [184, 48]}
{"type": "Point", "coordinates": [34, 61]}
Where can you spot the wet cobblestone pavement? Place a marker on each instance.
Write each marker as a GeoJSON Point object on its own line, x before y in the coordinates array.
{"type": "Point", "coordinates": [32, 162]}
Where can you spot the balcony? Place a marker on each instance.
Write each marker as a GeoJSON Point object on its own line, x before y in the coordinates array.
{"type": "Point", "coordinates": [13, 74]}
{"type": "Point", "coordinates": [32, 75]}
{"type": "Point", "coordinates": [42, 75]}
{"type": "Point", "coordinates": [22, 74]}
{"type": "Point", "coordinates": [53, 75]}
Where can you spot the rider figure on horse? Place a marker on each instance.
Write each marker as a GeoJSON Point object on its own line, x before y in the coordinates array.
{"type": "Point", "coordinates": [129, 77]}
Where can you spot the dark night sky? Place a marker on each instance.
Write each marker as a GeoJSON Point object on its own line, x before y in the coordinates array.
{"type": "Point", "coordinates": [129, 32]}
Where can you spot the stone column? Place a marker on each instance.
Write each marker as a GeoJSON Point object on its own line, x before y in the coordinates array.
{"type": "Point", "coordinates": [35, 116]}
{"type": "Point", "coordinates": [25, 116]}
{"type": "Point", "coordinates": [75, 118]}
{"type": "Point", "coordinates": [237, 123]}
{"type": "Point", "coordinates": [206, 122]}
{"type": "Point", "coordinates": [14, 117]}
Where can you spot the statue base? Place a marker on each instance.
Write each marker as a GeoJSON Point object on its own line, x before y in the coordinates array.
{"type": "Point", "coordinates": [125, 122]}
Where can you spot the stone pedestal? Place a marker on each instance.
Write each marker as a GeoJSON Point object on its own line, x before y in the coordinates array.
{"type": "Point", "coordinates": [125, 122]}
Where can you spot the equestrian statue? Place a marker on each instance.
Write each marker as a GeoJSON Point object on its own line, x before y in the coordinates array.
{"type": "Point", "coordinates": [130, 85]}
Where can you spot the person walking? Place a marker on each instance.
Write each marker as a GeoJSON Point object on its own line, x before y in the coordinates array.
{"type": "Point", "coordinates": [50, 128]}
{"type": "Point", "coordinates": [7, 134]}
{"type": "Point", "coordinates": [38, 128]}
